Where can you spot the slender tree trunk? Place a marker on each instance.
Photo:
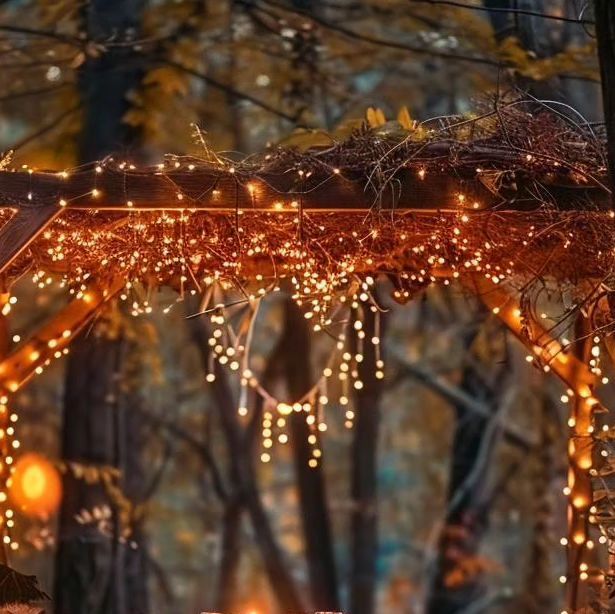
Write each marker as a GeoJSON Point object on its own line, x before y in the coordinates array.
{"type": "Point", "coordinates": [364, 486]}
{"type": "Point", "coordinates": [533, 36]}
{"type": "Point", "coordinates": [539, 589]}
{"type": "Point", "coordinates": [295, 349]}
{"type": "Point", "coordinates": [235, 110]}
{"type": "Point", "coordinates": [106, 81]}
{"type": "Point", "coordinates": [244, 482]}
{"type": "Point", "coordinates": [84, 569]}
{"type": "Point", "coordinates": [96, 572]}
{"type": "Point", "coordinates": [500, 20]}
{"type": "Point", "coordinates": [452, 589]}
{"type": "Point", "coordinates": [131, 564]}
{"type": "Point", "coordinates": [230, 555]}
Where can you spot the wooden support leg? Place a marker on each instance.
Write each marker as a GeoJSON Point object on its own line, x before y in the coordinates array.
{"type": "Point", "coordinates": [50, 341]}
{"type": "Point", "coordinates": [54, 337]}
{"type": "Point", "coordinates": [4, 442]}
{"type": "Point", "coordinates": [22, 229]}
{"type": "Point", "coordinates": [573, 370]}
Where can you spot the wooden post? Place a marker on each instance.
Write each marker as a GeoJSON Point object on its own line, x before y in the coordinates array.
{"type": "Point", "coordinates": [4, 473]}
{"type": "Point", "coordinates": [580, 453]}
{"type": "Point", "coordinates": [572, 369]}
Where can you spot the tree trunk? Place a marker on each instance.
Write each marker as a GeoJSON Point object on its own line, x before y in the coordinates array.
{"type": "Point", "coordinates": [295, 350]}
{"type": "Point", "coordinates": [230, 555]}
{"type": "Point", "coordinates": [456, 582]}
{"type": "Point", "coordinates": [243, 479]}
{"type": "Point", "coordinates": [96, 572]}
{"type": "Point", "coordinates": [364, 537]}
{"type": "Point", "coordinates": [605, 32]}
{"type": "Point", "coordinates": [84, 570]}
{"type": "Point", "coordinates": [500, 20]}
{"type": "Point", "coordinates": [131, 563]}
{"type": "Point", "coordinates": [452, 590]}
{"type": "Point", "coordinates": [106, 81]}
{"type": "Point", "coordinates": [533, 36]}
{"type": "Point", "coordinates": [539, 593]}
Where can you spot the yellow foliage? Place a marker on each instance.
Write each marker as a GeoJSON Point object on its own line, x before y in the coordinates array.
{"type": "Point", "coordinates": [347, 127]}
{"type": "Point", "coordinates": [375, 117]}
{"type": "Point", "coordinates": [573, 60]}
{"type": "Point", "coordinates": [186, 537]}
{"type": "Point", "coordinates": [468, 568]}
{"type": "Point", "coordinates": [403, 117]}
{"type": "Point", "coordinates": [169, 80]}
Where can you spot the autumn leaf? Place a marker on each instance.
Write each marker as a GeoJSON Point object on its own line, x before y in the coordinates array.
{"type": "Point", "coordinates": [404, 118]}
{"type": "Point", "coordinates": [375, 117]}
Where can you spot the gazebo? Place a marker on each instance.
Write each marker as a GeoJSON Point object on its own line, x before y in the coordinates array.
{"type": "Point", "coordinates": [512, 205]}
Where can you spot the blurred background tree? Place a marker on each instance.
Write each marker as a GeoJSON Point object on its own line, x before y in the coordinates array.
{"type": "Point", "coordinates": [443, 496]}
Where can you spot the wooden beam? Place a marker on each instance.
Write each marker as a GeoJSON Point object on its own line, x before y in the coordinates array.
{"type": "Point", "coordinates": [210, 188]}
{"type": "Point", "coordinates": [566, 366]}
{"type": "Point", "coordinates": [581, 459]}
{"type": "Point", "coordinates": [54, 336]}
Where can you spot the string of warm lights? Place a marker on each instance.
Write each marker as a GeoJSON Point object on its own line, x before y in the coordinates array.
{"type": "Point", "coordinates": [230, 349]}
{"type": "Point", "coordinates": [9, 444]}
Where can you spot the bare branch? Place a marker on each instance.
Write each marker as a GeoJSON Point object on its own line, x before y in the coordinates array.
{"type": "Point", "coordinates": [37, 92]}
{"type": "Point", "coordinates": [230, 90]}
{"type": "Point", "coordinates": [379, 41]}
{"type": "Point", "coordinates": [48, 127]}
{"type": "Point", "coordinates": [456, 396]}
{"type": "Point", "coordinates": [478, 7]}
{"type": "Point", "coordinates": [198, 446]}
{"type": "Point", "coordinates": [156, 478]}
{"type": "Point", "coordinates": [57, 36]}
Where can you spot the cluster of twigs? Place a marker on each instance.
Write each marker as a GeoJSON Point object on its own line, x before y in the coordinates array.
{"type": "Point", "coordinates": [524, 139]}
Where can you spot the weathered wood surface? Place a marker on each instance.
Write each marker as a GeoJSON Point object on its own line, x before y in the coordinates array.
{"type": "Point", "coordinates": [219, 190]}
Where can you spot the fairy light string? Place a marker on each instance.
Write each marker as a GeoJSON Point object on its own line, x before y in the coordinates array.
{"type": "Point", "coordinates": [9, 445]}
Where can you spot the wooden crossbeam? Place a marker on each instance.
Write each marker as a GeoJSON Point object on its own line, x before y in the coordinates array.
{"type": "Point", "coordinates": [54, 336]}
{"type": "Point", "coordinates": [190, 186]}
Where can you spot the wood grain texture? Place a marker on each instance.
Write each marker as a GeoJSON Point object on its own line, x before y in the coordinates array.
{"type": "Point", "coordinates": [22, 229]}
{"type": "Point", "coordinates": [220, 190]}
